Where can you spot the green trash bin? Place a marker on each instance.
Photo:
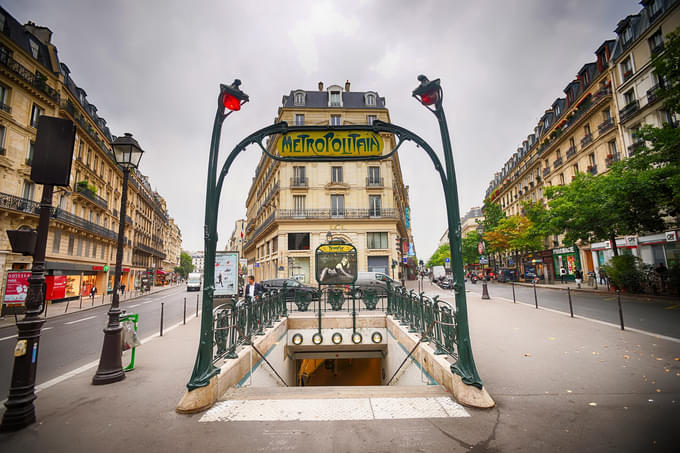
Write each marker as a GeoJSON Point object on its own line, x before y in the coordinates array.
{"type": "Point", "coordinates": [129, 336]}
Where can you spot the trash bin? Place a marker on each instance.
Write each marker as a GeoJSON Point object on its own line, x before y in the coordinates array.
{"type": "Point", "coordinates": [129, 336]}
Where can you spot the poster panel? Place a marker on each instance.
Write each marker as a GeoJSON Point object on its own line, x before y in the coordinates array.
{"type": "Point", "coordinates": [336, 264]}
{"type": "Point", "coordinates": [56, 287]}
{"type": "Point", "coordinates": [226, 273]}
{"type": "Point", "coordinates": [16, 288]}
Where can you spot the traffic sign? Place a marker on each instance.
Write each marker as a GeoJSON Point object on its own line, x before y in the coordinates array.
{"type": "Point", "coordinates": [446, 260]}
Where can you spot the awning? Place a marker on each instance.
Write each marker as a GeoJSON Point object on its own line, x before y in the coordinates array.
{"type": "Point", "coordinates": [160, 272]}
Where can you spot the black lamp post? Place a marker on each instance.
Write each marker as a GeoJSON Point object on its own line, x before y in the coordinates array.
{"type": "Point", "coordinates": [127, 153]}
{"type": "Point", "coordinates": [329, 237]}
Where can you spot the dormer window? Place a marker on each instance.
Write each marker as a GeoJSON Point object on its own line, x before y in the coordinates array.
{"type": "Point", "coordinates": [370, 100]}
{"type": "Point", "coordinates": [654, 8]}
{"type": "Point", "coordinates": [299, 98]}
{"type": "Point", "coordinates": [586, 78]}
{"type": "Point", "coordinates": [627, 34]}
{"type": "Point", "coordinates": [335, 99]}
{"type": "Point", "coordinates": [557, 110]}
{"type": "Point", "coordinates": [34, 48]}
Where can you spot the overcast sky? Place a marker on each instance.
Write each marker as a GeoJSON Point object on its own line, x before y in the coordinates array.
{"type": "Point", "coordinates": [153, 68]}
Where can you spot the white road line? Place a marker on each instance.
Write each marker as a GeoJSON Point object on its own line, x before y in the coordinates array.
{"type": "Point", "coordinates": [80, 320]}
{"type": "Point", "coordinates": [47, 328]}
{"type": "Point", "coordinates": [7, 338]}
{"type": "Point", "coordinates": [134, 306]}
{"type": "Point", "coordinates": [65, 376]}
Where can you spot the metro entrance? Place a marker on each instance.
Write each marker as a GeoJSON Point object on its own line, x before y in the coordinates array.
{"type": "Point", "coordinates": [325, 144]}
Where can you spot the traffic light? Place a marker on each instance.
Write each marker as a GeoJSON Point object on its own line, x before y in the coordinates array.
{"type": "Point", "coordinates": [397, 244]}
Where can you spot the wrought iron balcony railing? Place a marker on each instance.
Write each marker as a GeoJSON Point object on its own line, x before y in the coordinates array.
{"type": "Point", "coordinates": [592, 169]}
{"type": "Point", "coordinates": [571, 152]}
{"type": "Point", "coordinates": [85, 192]}
{"type": "Point", "coordinates": [299, 182]}
{"type": "Point", "coordinates": [5, 107]}
{"type": "Point", "coordinates": [27, 76]}
{"type": "Point", "coordinates": [69, 218]}
{"type": "Point", "coordinates": [18, 204]}
{"type": "Point", "coordinates": [375, 182]}
{"type": "Point", "coordinates": [587, 140]}
{"type": "Point", "coordinates": [653, 93]}
{"type": "Point", "coordinates": [629, 110]}
{"type": "Point", "coordinates": [605, 126]}
{"type": "Point", "coordinates": [557, 162]}
{"type": "Point", "coordinates": [611, 158]}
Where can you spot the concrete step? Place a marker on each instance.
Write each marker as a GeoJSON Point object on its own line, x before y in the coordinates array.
{"type": "Point", "coordinates": [336, 392]}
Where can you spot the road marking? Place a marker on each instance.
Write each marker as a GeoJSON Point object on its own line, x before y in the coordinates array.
{"type": "Point", "coordinates": [334, 409]}
{"type": "Point", "coordinates": [7, 338]}
{"type": "Point", "coordinates": [604, 323]}
{"type": "Point", "coordinates": [80, 320]}
{"type": "Point", "coordinates": [134, 306]}
{"type": "Point", "coordinates": [673, 307]}
{"type": "Point", "coordinates": [47, 328]}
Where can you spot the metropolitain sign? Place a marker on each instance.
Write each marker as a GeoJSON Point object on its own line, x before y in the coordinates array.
{"type": "Point", "coordinates": [330, 144]}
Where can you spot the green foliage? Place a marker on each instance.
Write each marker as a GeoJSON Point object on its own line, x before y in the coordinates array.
{"type": "Point", "coordinates": [438, 257]}
{"type": "Point", "coordinates": [493, 214]}
{"type": "Point", "coordinates": [85, 185]}
{"type": "Point", "coordinates": [185, 265]}
{"type": "Point", "coordinates": [624, 272]}
{"type": "Point", "coordinates": [667, 67]}
{"type": "Point", "coordinates": [513, 233]}
{"type": "Point", "coordinates": [469, 246]}
{"type": "Point", "coordinates": [602, 207]}
{"type": "Point", "coordinates": [674, 277]}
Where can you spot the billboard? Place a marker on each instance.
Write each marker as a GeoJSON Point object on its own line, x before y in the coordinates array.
{"type": "Point", "coordinates": [226, 273]}
{"type": "Point", "coordinates": [16, 287]}
{"type": "Point", "coordinates": [336, 264]}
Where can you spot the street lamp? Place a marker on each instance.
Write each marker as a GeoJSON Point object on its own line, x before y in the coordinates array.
{"type": "Point", "coordinates": [429, 93]}
{"type": "Point", "coordinates": [329, 237]}
{"type": "Point", "coordinates": [230, 99]}
{"type": "Point", "coordinates": [127, 153]}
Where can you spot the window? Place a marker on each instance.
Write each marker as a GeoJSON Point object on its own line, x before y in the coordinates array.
{"type": "Point", "coordinates": [575, 168]}
{"type": "Point", "coordinates": [335, 99]}
{"type": "Point", "coordinates": [96, 162]}
{"type": "Point", "coordinates": [337, 205]}
{"type": "Point", "coordinates": [87, 248]}
{"type": "Point", "coordinates": [373, 175]}
{"type": "Point", "coordinates": [562, 178]}
{"type": "Point", "coordinates": [336, 174]}
{"type": "Point", "coordinates": [3, 21]}
{"type": "Point", "coordinates": [612, 148]}
{"type": "Point", "coordinates": [572, 143]}
{"type": "Point", "coordinates": [370, 100]}
{"type": "Point", "coordinates": [299, 203]}
{"type": "Point", "coordinates": [94, 249]}
{"type": "Point", "coordinates": [102, 252]}
{"type": "Point", "coordinates": [36, 111]}
{"type": "Point", "coordinates": [335, 120]}
{"type": "Point", "coordinates": [591, 159]}
{"type": "Point", "coordinates": [607, 114]}
{"type": "Point", "coordinates": [299, 99]}
{"type": "Point", "coordinates": [4, 91]}
{"type": "Point", "coordinates": [629, 97]}
{"type": "Point", "coordinates": [626, 68]}
{"type": "Point", "coordinates": [374, 202]}
{"type": "Point", "coordinates": [656, 42]}
{"type": "Point", "coordinates": [299, 119]}
{"type": "Point", "coordinates": [29, 153]}
{"type": "Point", "coordinates": [89, 157]}
{"type": "Point", "coordinates": [654, 8]}
{"type": "Point", "coordinates": [56, 241]}
{"type": "Point", "coordinates": [298, 241]}
{"type": "Point", "coordinates": [80, 150]}
{"type": "Point", "coordinates": [299, 178]}
{"type": "Point", "coordinates": [376, 240]}
{"type": "Point", "coordinates": [27, 190]}
{"type": "Point", "coordinates": [627, 34]}
{"type": "Point", "coordinates": [80, 247]}
{"type": "Point", "coordinates": [370, 119]}
{"type": "Point", "coordinates": [557, 110]}
{"type": "Point", "coordinates": [586, 130]}
{"type": "Point", "coordinates": [586, 78]}
{"type": "Point", "coordinates": [3, 132]}
{"type": "Point", "coordinates": [71, 239]}
{"type": "Point", "coordinates": [34, 48]}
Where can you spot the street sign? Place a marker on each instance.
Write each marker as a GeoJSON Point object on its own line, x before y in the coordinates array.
{"type": "Point", "coordinates": [405, 260]}
{"type": "Point", "coordinates": [483, 260]}
{"type": "Point", "coordinates": [446, 260]}
{"type": "Point", "coordinates": [329, 143]}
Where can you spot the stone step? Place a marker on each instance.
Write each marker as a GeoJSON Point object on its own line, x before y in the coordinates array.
{"type": "Point", "coordinates": [335, 392]}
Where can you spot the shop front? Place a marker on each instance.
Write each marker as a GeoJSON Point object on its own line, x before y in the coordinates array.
{"type": "Point", "coordinates": [538, 265]}
{"type": "Point", "coordinates": [567, 258]}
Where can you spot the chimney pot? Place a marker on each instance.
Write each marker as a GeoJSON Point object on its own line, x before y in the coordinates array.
{"type": "Point", "coordinates": [347, 86]}
{"type": "Point", "coordinates": [320, 86]}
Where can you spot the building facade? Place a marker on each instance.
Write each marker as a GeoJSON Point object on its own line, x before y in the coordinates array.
{"type": "Point", "coordinates": [84, 225]}
{"type": "Point", "coordinates": [291, 207]}
{"type": "Point", "coordinates": [587, 130]}
{"type": "Point", "coordinates": [197, 259]}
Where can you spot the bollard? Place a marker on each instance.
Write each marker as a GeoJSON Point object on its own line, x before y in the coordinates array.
{"type": "Point", "coordinates": [571, 308]}
{"type": "Point", "coordinates": [485, 291]}
{"type": "Point", "coordinates": [514, 301]}
{"type": "Point", "coordinates": [184, 320]}
{"type": "Point", "coordinates": [535, 297]}
{"type": "Point", "coordinates": [618, 300]}
{"type": "Point", "coordinates": [81, 301]}
{"type": "Point", "coordinates": [197, 305]}
{"type": "Point", "coordinates": [45, 309]}
{"type": "Point", "coordinates": [103, 298]}
{"type": "Point", "coordinates": [162, 307]}
{"type": "Point", "coordinates": [65, 310]}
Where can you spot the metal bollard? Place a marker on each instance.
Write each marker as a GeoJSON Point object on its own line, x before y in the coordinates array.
{"type": "Point", "coordinates": [197, 305]}
{"type": "Point", "coordinates": [618, 300]}
{"type": "Point", "coordinates": [514, 301]}
{"type": "Point", "coordinates": [103, 298]}
{"type": "Point", "coordinates": [81, 301]}
{"type": "Point", "coordinates": [184, 320]}
{"type": "Point", "coordinates": [162, 309]}
{"type": "Point", "coordinates": [571, 308]}
{"type": "Point", "coordinates": [535, 297]}
{"type": "Point", "coordinates": [485, 291]}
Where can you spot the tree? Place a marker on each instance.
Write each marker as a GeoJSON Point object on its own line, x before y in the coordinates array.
{"type": "Point", "coordinates": [667, 68]}
{"type": "Point", "coordinates": [514, 233]}
{"type": "Point", "coordinates": [185, 265]}
{"type": "Point", "coordinates": [492, 215]}
{"type": "Point", "coordinates": [440, 255]}
{"type": "Point", "coordinates": [469, 247]}
{"type": "Point", "coordinates": [603, 207]}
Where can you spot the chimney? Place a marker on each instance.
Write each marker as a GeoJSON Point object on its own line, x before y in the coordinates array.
{"type": "Point", "coordinates": [347, 86]}
{"type": "Point", "coordinates": [320, 86]}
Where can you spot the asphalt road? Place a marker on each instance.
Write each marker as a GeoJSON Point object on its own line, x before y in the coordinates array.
{"type": "Point", "coordinates": [71, 341]}
{"type": "Point", "coordinates": [656, 315]}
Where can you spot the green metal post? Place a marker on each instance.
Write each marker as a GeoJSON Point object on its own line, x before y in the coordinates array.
{"type": "Point", "coordinates": [429, 93]}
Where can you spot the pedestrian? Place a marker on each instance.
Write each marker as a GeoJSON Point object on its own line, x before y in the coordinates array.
{"type": "Point", "coordinates": [603, 279]}
{"type": "Point", "coordinates": [122, 289]}
{"type": "Point", "coordinates": [253, 289]}
{"type": "Point", "coordinates": [578, 277]}
{"type": "Point", "coordinates": [563, 274]}
{"type": "Point", "coordinates": [93, 291]}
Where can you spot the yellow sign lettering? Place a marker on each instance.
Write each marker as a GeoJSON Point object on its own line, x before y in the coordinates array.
{"type": "Point", "coordinates": [330, 144]}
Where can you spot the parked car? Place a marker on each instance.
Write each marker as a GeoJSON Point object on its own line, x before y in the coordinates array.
{"type": "Point", "coordinates": [446, 283]}
{"type": "Point", "coordinates": [372, 280]}
{"type": "Point", "coordinates": [292, 287]}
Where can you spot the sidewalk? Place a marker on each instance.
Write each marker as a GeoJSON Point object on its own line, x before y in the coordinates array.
{"type": "Point", "coordinates": [82, 304]}
{"type": "Point", "coordinates": [560, 384]}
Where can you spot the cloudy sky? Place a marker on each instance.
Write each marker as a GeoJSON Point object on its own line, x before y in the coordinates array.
{"type": "Point", "coordinates": [153, 68]}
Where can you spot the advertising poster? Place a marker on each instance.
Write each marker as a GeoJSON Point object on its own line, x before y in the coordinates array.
{"type": "Point", "coordinates": [336, 264]}
{"type": "Point", "coordinates": [16, 287]}
{"type": "Point", "coordinates": [56, 287]}
{"type": "Point", "coordinates": [226, 273]}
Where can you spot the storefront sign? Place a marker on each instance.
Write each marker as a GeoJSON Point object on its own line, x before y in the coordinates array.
{"type": "Point", "coordinates": [563, 250]}
{"type": "Point", "coordinates": [330, 144]}
{"type": "Point", "coordinates": [226, 273]}
{"type": "Point", "coordinates": [16, 287]}
{"type": "Point", "coordinates": [671, 236]}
